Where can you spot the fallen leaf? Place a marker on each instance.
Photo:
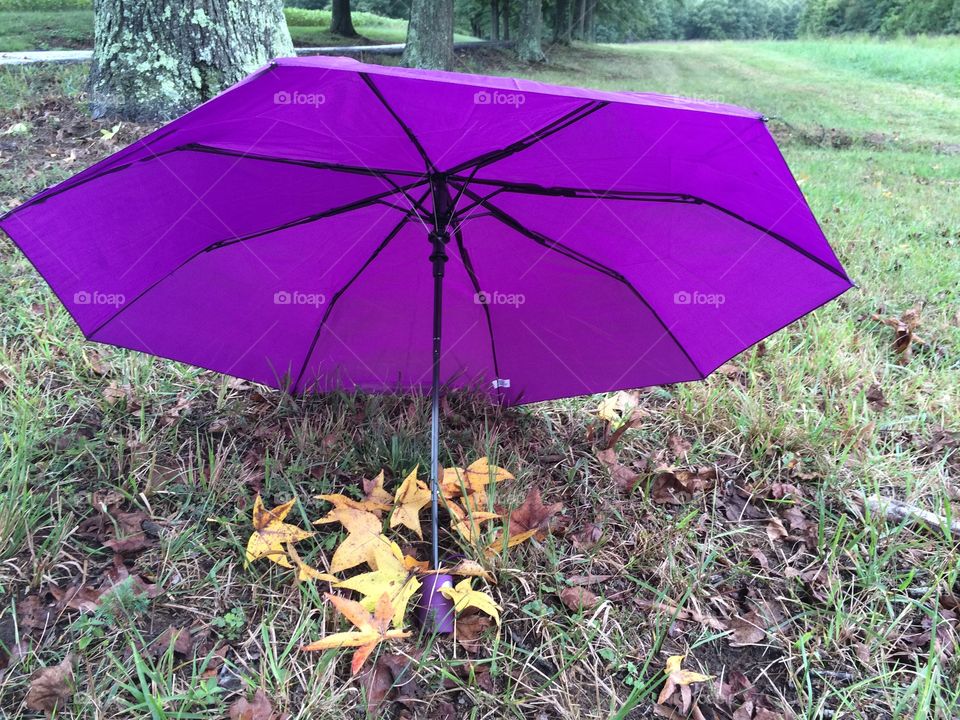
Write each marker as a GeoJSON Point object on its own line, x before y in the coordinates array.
{"type": "Point", "coordinates": [128, 534]}
{"type": "Point", "coordinates": [469, 523]}
{"type": "Point", "coordinates": [338, 500]}
{"type": "Point", "coordinates": [177, 638]}
{"type": "Point", "coordinates": [679, 446]}
{"type": "Point", "coordinates": [305, 572]}
{"type": "Point", "coordinates": [259, 709]}
{"type": "Point", "coordinates": [470, 568]}
{"type": "Point", "coordinates": [533, 515]}
{"type": "Point", "coordinates": [623, 476]}
{"type": "Point", "coordinates": [470, 627]}
{"type": "Point", "coordinates": [464, 596]}
{"type": "Point", "coordinates": [677, 487]}
{"type": "Point", "coordinates": [578, 598]}
{"type": "Point", "coordinates": [374, 492]}
{"type": "Point", "coordinates": [904, 332]}
{"type": "Point", "coordinates": [411, 497]}
{"type": "Point", "coordinates": [678, 678]}
{"type": "Point", "coordinates": [51, 688]}
{"type": "Point", "coordinates": [270, 533]}
{"type": "Point", "coordinates": [391, 579]}
{"type": "Point", "coordinates": [363, 536]}
{"type": "Point", "coordinates": [747, 630]}
{"type": "Point", "coordinates": [371, 630]}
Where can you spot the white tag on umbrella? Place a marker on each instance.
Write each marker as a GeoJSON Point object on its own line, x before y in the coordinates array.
{"type": "Point", "coordinates": [501, 383]}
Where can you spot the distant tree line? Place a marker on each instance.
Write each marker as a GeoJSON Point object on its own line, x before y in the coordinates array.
{"type": "Point", "coordinates": [630, 20]}
{"type": "Point", "coordinates": [880, 17]}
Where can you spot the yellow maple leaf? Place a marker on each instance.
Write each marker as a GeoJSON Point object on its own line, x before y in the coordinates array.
{"type": "Point", "coordinates": [363, 535]}
{"type": "Point", "coordinates": [464, 596]}
{"type": "Point", "coordinates": [338, 500]}
{"type": "Point", "coordinates": [467, 568]}
{"type": "Point", "coordinates": [304, 571]}
{"type": "Point", "coordinates": [374, 492]}
{"type": "Point", "coordinates": [679, 678]}
{"type": "Point", "coordinates": [467, 523]}
{"type": "Point", "coordinates": [391, 578]}
{"type": "Point", "coordinates": [412, 496]}
{"type": "Point", "coordinates": [459, 482]}
{"type": "Point", "coordinates": [371, 629]}
{"type": "Point", "coordinates": [270, 533]}
{"type": "Point", "coordinates": [498, 545]}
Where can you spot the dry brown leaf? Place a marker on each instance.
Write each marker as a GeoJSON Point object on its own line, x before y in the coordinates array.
{"type": "Point", "coordinates": [748, 629]}
{"type": "Point", "coordinates": [51, 687]}
{"type": "Point", "coordinates": [623, 476]}
{"type": "Point", "coordinates": [578, 598]}
{"type": "Point", "coordinates": [533, 515]}
{"type": "Point", "coordinates": [175, 637]}
{"type": "Point", "coordinates": [470, 627]}
{"type": "Point", "coordinates": [259, 708]}
{"type": "Point", "coordinates": [904, 332]}
{"type": "Point", "coordinates": [677, 487]}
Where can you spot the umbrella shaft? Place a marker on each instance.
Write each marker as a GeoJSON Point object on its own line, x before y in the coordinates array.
{"type": "Point", "coordinates": [439, 238]}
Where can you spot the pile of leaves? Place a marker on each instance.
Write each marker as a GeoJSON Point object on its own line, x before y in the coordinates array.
{"type": "Point", "coordinates": [389, 577]}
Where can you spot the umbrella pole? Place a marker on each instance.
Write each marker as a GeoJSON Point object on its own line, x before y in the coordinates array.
{"type": "Point", "coordinates": [437, 610]}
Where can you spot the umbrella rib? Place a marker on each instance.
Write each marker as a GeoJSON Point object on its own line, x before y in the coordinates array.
{"type": "Point", "coordinates": [318, 164]}
{"type": "Point", "coordinates": [641, 196]}
{"type": "Point", "coordinates": [406, 128]}
{"type": "Point", "coordinates": [474, 280]}
{"type": "Point", "coordinates": [589, 262]}
{"type": "Point", "coordinates": [372, 200]}
{"type": "Point", "coordinates": [383, 173]}
{"type": "Point", "coordinates": [533, 138]}
{"type": "Point", "coordinates": [338, 294]}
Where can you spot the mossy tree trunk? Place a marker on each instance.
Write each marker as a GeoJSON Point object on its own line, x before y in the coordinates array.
{"type": "Point", "coordinates": [528, 32]}
{"type": "Point", "coordinates": [156, 59]}
{"type": "Point", "coordinates": [341, 21]}
{"type": "Point", "coordinates": [430, 35]}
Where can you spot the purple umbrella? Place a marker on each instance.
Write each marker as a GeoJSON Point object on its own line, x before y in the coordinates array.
{"type": "Point", "coordinates": [299, 230]}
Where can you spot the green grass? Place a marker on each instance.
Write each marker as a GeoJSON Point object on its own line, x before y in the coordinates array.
{"type": "Point", "coordinates": [46, 30]}
{"type": "Point", "coordinates": [871, 130]}
{"type": "Point", "coordinates": [28, 27]}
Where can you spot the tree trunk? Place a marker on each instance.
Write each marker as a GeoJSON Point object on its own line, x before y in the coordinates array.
{"type": "Point", "coordinates": [495, 20]}
{"type": "Point", "coordinates": [590, 25]}
{"type": "Point", "coordinates": [156, 59]}
{"type": "Point", "coordinates": [506, 20]}
{"type": "Point", "coordinates": [430, 35]}
{"type": "Point", "coordinates": [579, 15]}
{"type": "Point", "coordinates": [341, 20]}
{"type": "Point", "coordinates": [528, 35]}
{"type": "Point", "coordinates": [561, 22]}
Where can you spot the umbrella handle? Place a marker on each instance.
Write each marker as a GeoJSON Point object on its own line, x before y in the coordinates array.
{"type": "Point", "coordinates": [436, 611]}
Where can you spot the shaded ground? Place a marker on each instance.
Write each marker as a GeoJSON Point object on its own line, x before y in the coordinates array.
{"type": "Point", "coordinates": [724, 525]}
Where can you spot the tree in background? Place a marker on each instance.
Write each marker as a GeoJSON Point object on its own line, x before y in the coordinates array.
{"type": "Point", "coordinates": [341, 20]}
{"type": "Point", "coordinates": [430, 35]}
{"type": "Point", "coordinates": [155, 59]}
{"type": "Point", "coordinates": [529, 31]}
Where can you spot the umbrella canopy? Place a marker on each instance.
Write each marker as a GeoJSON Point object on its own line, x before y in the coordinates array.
{"type": "Point", "coordinates": [597, 240]}
{"type": "Point", "coordinates": [326, 223]}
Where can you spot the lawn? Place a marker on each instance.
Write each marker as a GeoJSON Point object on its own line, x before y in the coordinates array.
{"type": "Point", "coordinates": [58, 29]}
{"type": "Point", "coordinates": [766, 572]}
